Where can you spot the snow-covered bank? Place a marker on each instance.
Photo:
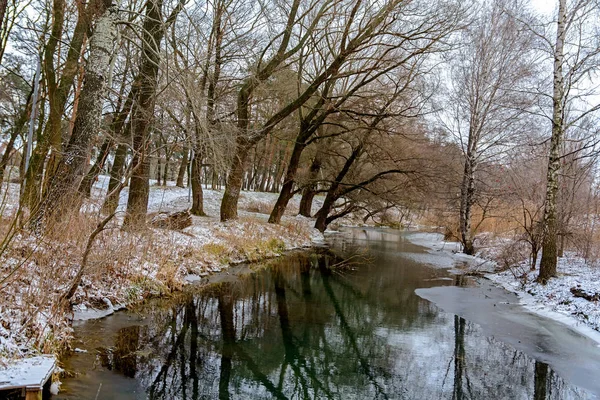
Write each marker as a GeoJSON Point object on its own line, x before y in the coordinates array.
{"type": "Point", "coordinates": [126, 267]}
{"type": "Point", "coordinates": [554, 300]}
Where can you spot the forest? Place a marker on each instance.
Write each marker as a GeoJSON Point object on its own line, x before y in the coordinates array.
{"type": "Point", "coordinates": [144, 141]}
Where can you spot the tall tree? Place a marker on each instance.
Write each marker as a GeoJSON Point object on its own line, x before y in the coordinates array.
{"type": "Point", "coordinates": [487, 98]}
{"type": "Point", "coordinates": [143, 109]}
{"type": "Point", "coordinates": [71, 168]}
{"type": "Point", "coordinates": [353, 37]}
{"type": "Point", "coordinates": [575, 55]}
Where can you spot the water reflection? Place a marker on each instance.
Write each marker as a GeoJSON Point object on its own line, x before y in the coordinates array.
{"type": "Point", "coordinates": [304, 330]}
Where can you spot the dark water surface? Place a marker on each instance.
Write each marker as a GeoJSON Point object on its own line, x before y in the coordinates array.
{"type": "Point", "coordinates": [304, 328]}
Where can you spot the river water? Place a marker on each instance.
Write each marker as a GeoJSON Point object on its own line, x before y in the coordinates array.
{"type": "Point", "coordinates": [342, 322]}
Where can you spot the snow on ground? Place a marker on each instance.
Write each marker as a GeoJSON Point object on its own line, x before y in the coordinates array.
{"type": "Point", "coordinates": [451, 252]}
{"type": "Point", "coordinates": [553, 300]}
{"type": "Point", "coordinates": [126, 267]}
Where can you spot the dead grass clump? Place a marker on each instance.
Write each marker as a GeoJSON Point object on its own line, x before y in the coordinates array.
{"type": "Point", "coordinates": [258, 206]}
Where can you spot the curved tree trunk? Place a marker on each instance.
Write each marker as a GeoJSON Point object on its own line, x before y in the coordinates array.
{"type": "Point", "coordinates": [287, 190]}
{"type": "Point", "coordinates": [183, 167]}
{"type": "Point", "coordinates": [234, 184]}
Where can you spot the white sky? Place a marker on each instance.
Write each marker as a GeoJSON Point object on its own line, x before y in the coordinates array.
{"type": "Point", "coordinates": [544, 6]}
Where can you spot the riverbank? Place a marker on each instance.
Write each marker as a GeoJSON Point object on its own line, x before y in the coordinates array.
{"type": "Point", "coordinates": [125, 268]}
{"type": "Point", "coordinates": [561, 299]}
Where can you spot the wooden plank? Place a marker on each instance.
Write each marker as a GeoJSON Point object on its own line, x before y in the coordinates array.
{"type": "Point", "coordinates": [33, 395]}
{"type": "Point", "coordinates": [29, 373]}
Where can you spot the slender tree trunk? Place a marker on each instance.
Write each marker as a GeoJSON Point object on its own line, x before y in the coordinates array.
{"type": "Point", "coordinates": [116, 175]}
{"type": "Point", "coordinates": [158, 158]}
{"type": "Point", "coordinates": [58, 93]}
{"type": "Point", "coordinates": [269, 147]}
{"type": "Point", "coordinates": [215, 179]}
{"type": "Point", "coordinates": [3, 4]}
{"type": "Point", "coordinates": [35, 172]}
{"type": "Point", "coordinates": [166, 166]}
{"type": "Point", "coordinates": [17, 129]}
{"type": "Point", "coordinates": [549, 244]}
{"type": "Point", "coordinates": [467, 194]}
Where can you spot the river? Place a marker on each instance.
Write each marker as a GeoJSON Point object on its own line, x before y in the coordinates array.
{"type": "Point", "coordinates": [370, 316]}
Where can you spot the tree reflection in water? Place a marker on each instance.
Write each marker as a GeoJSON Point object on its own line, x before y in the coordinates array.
{"type": "Point", "coordinates": [303, 330]}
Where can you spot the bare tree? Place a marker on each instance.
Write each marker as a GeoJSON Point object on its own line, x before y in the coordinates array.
{"type": "Point", "coordinates": [353, 38]}
{"type": "Point", "coordinates": [143, 108]}
{"type": "Point", "coordinates": [575, 54]}
{"type": "Point", "coordinates": [487, 99]}
{"type": "Point", "coordinates": [71, 168]}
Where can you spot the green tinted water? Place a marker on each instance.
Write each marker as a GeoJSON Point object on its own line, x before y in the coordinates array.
{"type": "Point", "coordinates": [343, 323]}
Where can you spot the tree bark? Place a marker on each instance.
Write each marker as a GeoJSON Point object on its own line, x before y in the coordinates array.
{"type": "Point", "coordinates": [143, 115]}
{"type": "Point", "coordinates": [287, 189]}
{"type": "Point", "coordinates": [549, 245]}
{"type": "Point", "coordinates": [116, 175]}
{"type": "Point", "coordinates": [70, 170]}
{"type": "Point", "coordinates": [467, 194]}
{"type": "Point", "coordinates": [197, 194]}
{"type": "Point", "coordinates": [3, 4]}
{"type": "Point", "coordinates": [234, 184]}
{"type": "Point", "coordinates": [85, 188]}
{"type": "Point", "coordinates": [183, 167]}
{"type": "Point", "coordinates": [58, 93]}
{"type": "Point", "coordinates": [17, 129]}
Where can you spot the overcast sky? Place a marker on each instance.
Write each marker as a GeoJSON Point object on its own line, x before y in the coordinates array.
{"type": "Point", "coordinates": [544, 6]}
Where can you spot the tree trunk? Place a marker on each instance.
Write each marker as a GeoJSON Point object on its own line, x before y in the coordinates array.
{"type": "Point", "coordinates": [58, 199]}
{"type": "Point", "coordinates": [3, 4]}
{"type": "Point", "coordinates": [215, 179]}
{"type": "Point", "coordinates": [58, 92]}
{"type": "Point", "coordinates": [467, 194]}
{"type": "Point", "coordinates": [549, 244]}
{"type": "Point", "coordinates": [197, 194]}
{"type": "Point", "coordinates": [143, 115]}
{"type": "Point", "coordinates": [116, 175]}
{"type": "Point", "coordinates": [17, 129]}
{"type": "Point", "coordinates": [321, 215]}
{"type": "Point", "coordinates": [234, 184]}
{"type": "Point", "coordinates": [286, 193]}
{"type": "Point", "coordinates": [85, 188]}
{"type": "Point", "coordinates": [309, 192]}
{"type": "Point", "coordinates": [183, 167]}
{"type": "Point", "coordinates": [166, 167]}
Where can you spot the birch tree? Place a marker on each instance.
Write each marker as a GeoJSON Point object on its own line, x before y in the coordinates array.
{"type": "Point", "coordinates": [487, 97]}
{"type": "Point", "coordinates": [576, 58]}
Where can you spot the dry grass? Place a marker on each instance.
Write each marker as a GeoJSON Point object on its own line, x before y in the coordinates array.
{"type": "Point", "coordinates": [258, 206]}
